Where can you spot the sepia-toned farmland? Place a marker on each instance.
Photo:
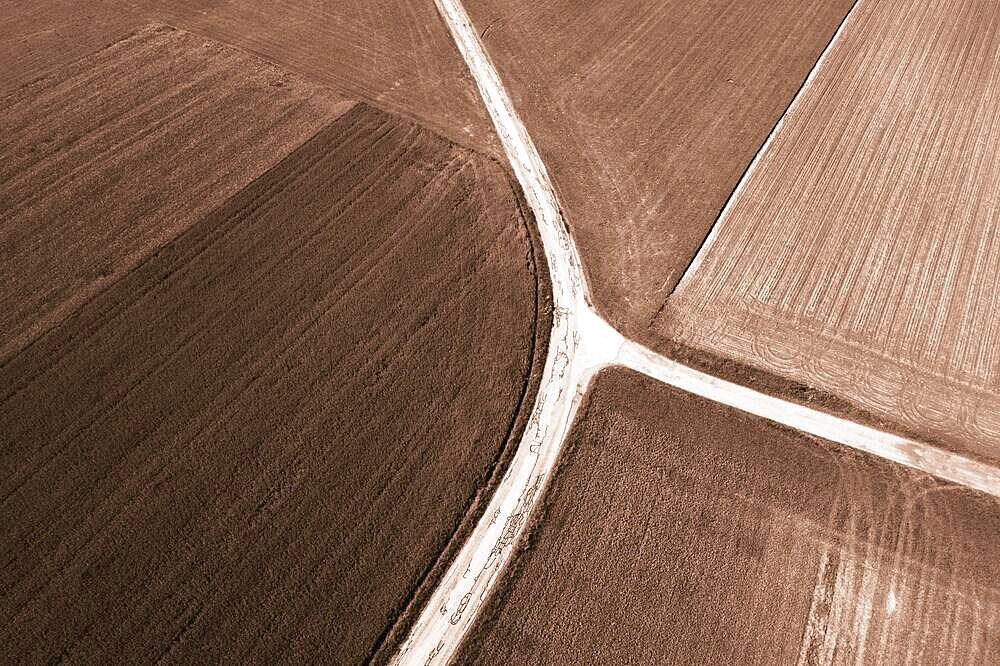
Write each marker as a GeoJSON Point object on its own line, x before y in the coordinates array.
{"type": "Point", "coordinates": [261, 441]}
{"type": "Point", "coordinates": [861, 257]}
{"type": "Point", "coordinates": [646, 115]}
{"type": "Point", "coordinates": [105, 160]}
{"type": "Point", "coordinates": [681, 531]}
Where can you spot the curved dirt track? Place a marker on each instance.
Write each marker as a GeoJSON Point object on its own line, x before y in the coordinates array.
{"type": "Point", "coordinates": [582, 343]}
{"type": "Point", "coordinates": [579, 344]}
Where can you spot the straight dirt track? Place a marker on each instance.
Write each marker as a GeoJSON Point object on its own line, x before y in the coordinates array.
{"type": "Point", "coordinates": [227, 453]}
{"type": "Point", "coordinates": [738, 541]}
{"type": "Point", "coordinates": [860, 257]}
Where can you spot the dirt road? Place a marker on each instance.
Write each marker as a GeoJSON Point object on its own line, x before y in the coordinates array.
{"type": "Point", "coordinates": [582, 342]}
{"type": "Point", "coordinates": [646, 114]}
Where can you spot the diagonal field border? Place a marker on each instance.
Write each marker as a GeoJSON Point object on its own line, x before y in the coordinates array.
{"type": "Point", "coordinates": [581, 344]}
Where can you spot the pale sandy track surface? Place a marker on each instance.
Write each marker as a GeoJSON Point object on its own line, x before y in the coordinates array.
{"type": "Point", "coordinates": [940, 463]}
{"type": "Point", "coordinates": [582, 343]}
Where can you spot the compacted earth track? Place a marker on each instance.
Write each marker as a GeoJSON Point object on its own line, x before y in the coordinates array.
{"type": "Point", "coordinates": [224, 452]}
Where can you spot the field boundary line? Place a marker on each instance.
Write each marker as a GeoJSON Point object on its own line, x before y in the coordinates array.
{"type": "Point", "coordinates": [703, 249]}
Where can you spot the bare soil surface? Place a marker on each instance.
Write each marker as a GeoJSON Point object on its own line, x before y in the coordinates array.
{"type": "Point", "coordinates": [106, 159]}
{"type": "Point", "coordinates": [682, 531]}
{"type": "Point", "coordinates": [646, 114]}
{"type": "Point", "coordinates": [43, 34]}
{"type": "Point", "coordinates": [256, 444]}
{"type": "Point", "coordinates": [393, 53]}
{"type": "Point", "coordinates": [860, 258]}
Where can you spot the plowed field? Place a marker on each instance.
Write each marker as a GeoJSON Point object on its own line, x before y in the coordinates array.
{"type": "Point", "coordinates": [257, 443]}
{"type": "Point", "coordinates": [682, 531]}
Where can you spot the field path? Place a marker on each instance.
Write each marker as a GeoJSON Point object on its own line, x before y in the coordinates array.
{"type": "Point", "coordinates": [581, 344]}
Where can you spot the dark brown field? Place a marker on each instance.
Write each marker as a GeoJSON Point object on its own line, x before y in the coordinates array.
{"type": "Point", "coordinates": [646, 114]}
{"type": "Point", "coordinates": [255, 444]}
{"type": "Point", "coordinates": [105, 160]}
{"type": "Point", "coordinates": [681, 531]}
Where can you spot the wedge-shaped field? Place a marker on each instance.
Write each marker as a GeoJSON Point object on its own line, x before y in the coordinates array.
{"type": "Point", "coordinates": [862, 255]}
{"type": "Point", "coordinates": [395, 53]}
{"type": "Point", "coordinates": [681, 531]}
{"type": "Point", "coordinates": [106, 159]}
{"type": "Point", "coordinates": [258, 443]}
{"type": "Point", "coordinates": [646, 114]}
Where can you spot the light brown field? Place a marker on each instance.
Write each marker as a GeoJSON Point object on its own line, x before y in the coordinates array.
{"type": "Point", "coordinates": [392, 53]}
{"type": "Point", "coordinates": [862, 257]}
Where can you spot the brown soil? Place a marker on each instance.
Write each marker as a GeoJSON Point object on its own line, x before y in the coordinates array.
{"type": "Point", "coordinates": [256, 444]}
{"type": "Point", "coordinates": [105, 160]}
{"type": "Point", "coordinates": [43, 34]}
{"type": "Point", "coordinates": [860, 259]}
{"type": "Point", "coordinates": [681, 531]}
{"type": "Point", "coordinates": [646, 115]}
{"type": "Point", "coordinates": [394, 53]}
